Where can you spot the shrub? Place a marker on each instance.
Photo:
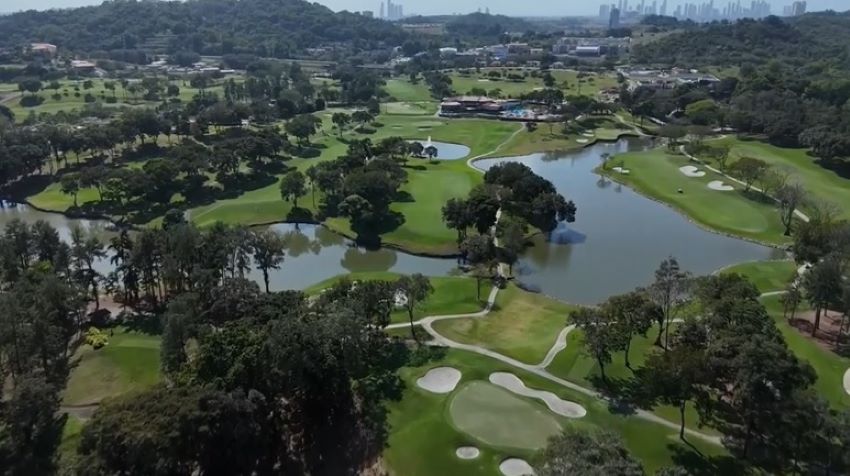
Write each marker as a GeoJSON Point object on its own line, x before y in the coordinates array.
{"type": "Point", "coordinates": [31, 101]}
{"type": "Point", "coordinates": [96, 338]}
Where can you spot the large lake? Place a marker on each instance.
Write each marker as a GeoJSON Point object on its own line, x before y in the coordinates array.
{"type": "Point", "coordinates": [619, 237]}
{"type": "Point", "coordinates": [616, 243]}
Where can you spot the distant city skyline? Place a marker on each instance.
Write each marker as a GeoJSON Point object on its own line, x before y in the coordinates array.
{"type": "Point", "coordinates": [447, 7]}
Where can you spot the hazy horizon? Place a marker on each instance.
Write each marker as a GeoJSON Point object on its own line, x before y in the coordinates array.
{"type": "Point", "coordinates": [437, 7]}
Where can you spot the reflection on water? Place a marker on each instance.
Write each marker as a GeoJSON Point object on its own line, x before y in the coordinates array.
{"type": "Point", "coordinates": [619, 236]}
{"type": "Point", "coordinates": [315, 254]}
{"type": "Point", "coordinates": [10, 211]}
{"type": "Point", "coordinates": [446, 150]}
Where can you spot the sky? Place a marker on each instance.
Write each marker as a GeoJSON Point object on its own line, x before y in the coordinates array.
{"type": "Point", "coordinates": [432, 7]}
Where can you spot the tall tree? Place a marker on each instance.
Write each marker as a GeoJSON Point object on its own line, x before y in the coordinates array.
{"type": "Point", "coordinates": [669, 292]}
{"type": "Point", "coordinates": [790, 197]}
{"type": "Point", "coordinates": [292, 186]}
{"type": "Point", "coordinates": [415, 288]}
{"type": "Point", "coordinates": [582, 452]}
{"type": "Point", "coordinates": [268, 249]}
{"type": "Point", "coordinates": [822, 287]}
{"type": "Point", "coordinates": [600, 337]}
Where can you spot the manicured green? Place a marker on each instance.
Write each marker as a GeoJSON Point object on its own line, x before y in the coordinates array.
{"type": "Point", "coordinates": [403, 90]}
{"type": "Point", "coordinates": [452, 294]}
{"type": "Point", "coordinates": [422, 440]}
{"type": "Point", "coordinates": [130, 361]}
{"type": "Point", "coordinates": [830, 367]}
{"type": "Point", "coordinates": [522, 325]}
{"type": "Point", "coordinates": [499, 418]}
{"type": "Point", "coordinates": [409, 108]}
{"type": "Point", "coordinates": [821, 183]}
{"type": "Point", "coordinates": [768, 276]}
{"type": "Point", "coordinates": [656, 173]}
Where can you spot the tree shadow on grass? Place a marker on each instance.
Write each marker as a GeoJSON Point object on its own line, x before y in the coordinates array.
{"type": "Point", "coordinates": [142, 322]}
{"type": "Point", "coordinates": [698, 464]}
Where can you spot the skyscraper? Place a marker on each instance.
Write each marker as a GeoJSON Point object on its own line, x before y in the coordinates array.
{"type": "Point", "coordinates": [663, 11]}
{"type": "Point", "coordinates": [614, 19]}
{"type": "Point", "coordinates": [604, 12]}
{"type": "Point", "coordinates": [381, 15]}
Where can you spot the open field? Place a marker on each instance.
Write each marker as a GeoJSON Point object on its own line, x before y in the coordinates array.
{"type": "Point", "coordinates": [656, 173]}
{"type": "Point", "coordinates": [522, 325]}
{"type": "Point", "coordinates": [129, 362]}
{"type": "Point", "coordinates": [73, 95]}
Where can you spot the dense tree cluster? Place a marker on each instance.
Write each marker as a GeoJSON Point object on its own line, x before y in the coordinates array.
{"type": "Point", "coordinates": [529, 196]}
{"type": "Point", "coordinates": [43, 293]}
{"type": "Point", "coordinates": [363, 183]}
{"type": "Point", "coordinates": [258, 382]}
{"type": "Point", "coordinates": [795, 93]}
{"type": "Point", "coordinates": [723, 353]}
{"type": "Point", "coordinates": [266, 28]}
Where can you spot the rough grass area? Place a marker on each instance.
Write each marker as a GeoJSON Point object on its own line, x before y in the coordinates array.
{"type": "Point", "coordinates": [522, 325]}
{"type": "Point", "coordinates": [829, 366]}
{"type": "Point", "coordinates": [129, 362]}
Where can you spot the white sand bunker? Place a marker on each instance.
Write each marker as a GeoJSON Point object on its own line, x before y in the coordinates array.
{"type": "Point", "coordinates": [562, 407]}
{"type": "Point", "coordinates": [516, 467]}
{"type": "Point", "coordinates": [467, 452]}
{"type": "Point", "coordinates": [621, 170]}
{"type": "Point", "coordinates": [440, 380]}
{"type": "Point", "coordinates": [847, 381]}
{"type": "Point", "coordinates": [588, 134]}
{"type": "Point", "coordinates": [691, 171]}
{"type": "Point", "coordinates": [582, 141]}
{"type": "Point", "coordinates": [720, 186]}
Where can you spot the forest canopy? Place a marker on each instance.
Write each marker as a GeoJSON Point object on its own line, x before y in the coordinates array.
{"type": "Point", "coordinates": [272, 28]}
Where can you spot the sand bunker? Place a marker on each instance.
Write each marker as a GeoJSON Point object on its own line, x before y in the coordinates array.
{"type": "Point", "coordinates": [691, 171]}
{"type": "Point", "coordinates": [621, 170]}
{"type": "Point", "coordinates": [440, 380]}
{"type": "Point", "coordinates": [582, 141]}
{"type": "Point", "coordinates": [847, 381]}
{"type": "Point", "coordinates": [513, 383]}
{"type": "Point", "coordinates": [588, 134]}
{"type": "Point", "coordinates": [516, 467]}
{"type": "Point", "coordinates": [720, 186]}
{"type": "Point", "coordinates": [467, 452]}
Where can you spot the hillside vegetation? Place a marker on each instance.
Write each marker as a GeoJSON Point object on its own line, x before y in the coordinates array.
{"type": "Point", "coordinates": [816, 37]}
{"type": "Point", "coordinates": [275, 28]}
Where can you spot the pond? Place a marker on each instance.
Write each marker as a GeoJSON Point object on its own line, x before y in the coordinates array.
{"type": "Point", "coordinates": [314, 253]}
{"type": "Point", "coordinates": [619, 237]}
{"type": "Point", "coordinates": [615, 245]}
{"type": "Point", "coordinates": [446, 150]}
